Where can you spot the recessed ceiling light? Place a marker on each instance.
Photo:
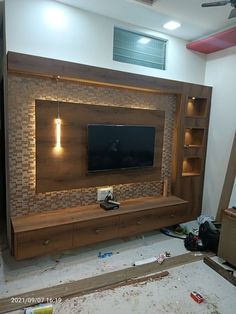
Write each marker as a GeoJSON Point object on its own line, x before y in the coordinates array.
{"type": "Point", "coordinates": [144, 40]}
{"type": "Point", "coordinates": [171, 25]}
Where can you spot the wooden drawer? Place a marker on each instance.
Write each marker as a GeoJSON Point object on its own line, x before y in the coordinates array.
{"type": "Point", "coordinates": [95, 231]}
{"type": "Point", "coordinates": [43, 241]}
{"type": "Point", "coordinates": [135, 223]}
{"type": "Point", "coordinates": [44, 233]}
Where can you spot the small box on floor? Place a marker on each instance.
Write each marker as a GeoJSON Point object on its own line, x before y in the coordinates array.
{"type": "Point", "coordinates": [39, 309]}
{"type": "Point", "coordinates": [197, 297]}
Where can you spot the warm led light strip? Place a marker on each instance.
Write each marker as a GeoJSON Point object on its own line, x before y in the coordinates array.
{"type": "Point", "coordinates": [58, 133]}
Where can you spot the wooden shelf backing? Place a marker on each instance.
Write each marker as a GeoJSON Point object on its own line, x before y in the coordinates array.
{"type": "Point", "coordinates": [193, 137]}
{"type": "Point", "coordinates": [196, 107]}
{"type": "Point", "coordinates": [67, 168]}
{"type": "Point", "coordinates": [191, 166]}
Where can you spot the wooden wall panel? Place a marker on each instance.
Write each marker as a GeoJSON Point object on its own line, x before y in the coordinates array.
{"type": "Point", "coordinates": [68, 169]}
{"type": "Point", "coordinates": [46, 67]}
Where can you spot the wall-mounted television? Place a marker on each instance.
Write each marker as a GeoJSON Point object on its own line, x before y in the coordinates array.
{"type": "Point", "coordinates": [112, 147]}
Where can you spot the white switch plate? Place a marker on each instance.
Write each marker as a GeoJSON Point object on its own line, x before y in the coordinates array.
{"type": "Point", "coordinates": [102, 192]}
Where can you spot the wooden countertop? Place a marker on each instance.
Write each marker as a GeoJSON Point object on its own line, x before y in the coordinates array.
{"type": "Point", "coordinates": [89, 212]}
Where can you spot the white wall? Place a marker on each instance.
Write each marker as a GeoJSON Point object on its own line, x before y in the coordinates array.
{"type": "Point", "coordinates": [51, 29]}
{"type": "Point", "coordinates": [221, 74]}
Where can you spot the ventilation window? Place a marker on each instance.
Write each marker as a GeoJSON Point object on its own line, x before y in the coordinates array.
{"type": "Point", "coordinates": [138, 49]}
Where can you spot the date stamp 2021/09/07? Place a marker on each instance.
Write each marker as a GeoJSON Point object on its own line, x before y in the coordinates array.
{"type": "Point", "coordinates": [35, 300]}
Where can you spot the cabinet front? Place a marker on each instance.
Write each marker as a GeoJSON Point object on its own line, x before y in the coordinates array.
{"type": "Point", "coordinates": [134, 223]}
{"type": "Point", "coordinates": [95, 231]}
{"type": "Point", "coordinates": [43, 241]}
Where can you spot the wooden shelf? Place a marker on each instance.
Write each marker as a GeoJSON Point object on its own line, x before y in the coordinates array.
{"type": "Point", "coordinates": [190, 174]}
{"type": "Point", "coordinates": [44, 233]}
{"type": "Point", "coordinates": [89, 212]}
{"type": "Point", "coordinates": [196, 107]}
{"type": "Point", "coordinates": [193, 137]}
{"type": "Point", "coordinates": [193, 146]}
{"type": "Point", "coordinates": [191, 166]}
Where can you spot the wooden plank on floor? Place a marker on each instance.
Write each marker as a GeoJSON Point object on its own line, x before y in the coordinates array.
{"type": "Point", "coordinates": [220, 270]}
{"type": "Point", "coordinates": [91, 284]}
{"type": "Point", "coordinates": [134, 281]}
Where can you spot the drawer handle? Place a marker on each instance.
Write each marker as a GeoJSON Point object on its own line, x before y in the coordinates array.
{"type": "Point", "coordinates": [172, 215]}
{"type": "Point", "coordinates": [97, 231]}
{"type": "Point", "coordinates": [139, 222]}
{"type": "Point", "coordinates": [46, 242]}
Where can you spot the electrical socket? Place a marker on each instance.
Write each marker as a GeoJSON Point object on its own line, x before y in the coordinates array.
{"type": "Point", "coordinates": [102, 193]}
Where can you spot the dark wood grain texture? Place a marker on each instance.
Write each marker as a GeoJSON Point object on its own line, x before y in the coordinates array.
{"type": "Point", "coordinates": [44, 233]}
{"type": "Point", "coordinates": [46, 67]}
{"type": "Point", "coordinates": [68, 169]}
{"type": "Point", "coordinates": [192, 119]}
{"type": "Point", "coordinates": [19, 63]}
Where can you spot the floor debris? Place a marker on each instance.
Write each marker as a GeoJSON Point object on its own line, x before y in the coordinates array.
{"type": "Point", "coordinates": [104, 255]}
{"type": "Point", "coordinates": [159, 259]}
{"type": "Point", "coordinates": [197, 297]}
{"type": "Point", "coordinates": [39, 309]}
{"type": "Point", "coordinates": [145, 261]}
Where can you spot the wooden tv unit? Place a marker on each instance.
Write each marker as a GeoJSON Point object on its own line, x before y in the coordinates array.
{"type": "Point", "coordinates": [64, 229]}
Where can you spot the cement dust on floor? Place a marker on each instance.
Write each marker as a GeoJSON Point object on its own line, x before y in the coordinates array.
{"type": "Point", "coordinates": [33, 274]}
{"type": "Point", "coordinates": [171, 294]}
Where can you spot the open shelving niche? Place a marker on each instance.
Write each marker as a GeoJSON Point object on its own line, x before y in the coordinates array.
{"type": "Point", "coordinates": [191, 166]}
{"type": "Point", "coordinates": [193, 137]}
{"type": "Point", "coordinates": [190, 145]}
{"type": "Point", "coordinates": [196, 108]}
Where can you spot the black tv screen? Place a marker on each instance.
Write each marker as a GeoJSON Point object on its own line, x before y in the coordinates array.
{"type": "Point", "coordinates": [113, 147]}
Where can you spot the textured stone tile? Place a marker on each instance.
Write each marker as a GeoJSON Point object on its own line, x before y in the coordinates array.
{"type": "Point", "coordinates": [22, 92]}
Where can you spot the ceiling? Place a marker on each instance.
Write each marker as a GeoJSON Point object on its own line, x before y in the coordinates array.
{"type": "Point", "coordinates": [196, 21]}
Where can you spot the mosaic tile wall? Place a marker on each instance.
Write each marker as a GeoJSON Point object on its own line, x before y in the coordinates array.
{"type": "Point", "coordinates": [22, 92]}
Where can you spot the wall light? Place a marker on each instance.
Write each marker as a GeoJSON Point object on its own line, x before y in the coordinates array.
{"type": "Point", "coordinates": [58, 122]}
{"type": "Point", "coordinates": [171, 25]}
{"type": "Point", "coordinates": [58, 134]}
